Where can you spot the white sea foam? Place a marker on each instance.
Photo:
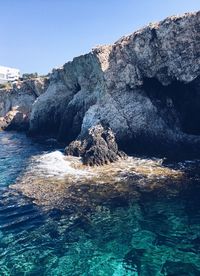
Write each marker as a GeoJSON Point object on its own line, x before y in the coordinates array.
{"type": "Point", "coordinates": [51, 178]}
{"type": "Point", "coordinates": [57, 164]}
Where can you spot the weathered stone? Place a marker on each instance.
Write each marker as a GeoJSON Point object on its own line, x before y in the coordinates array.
{"type": "Point", "coordinates": [97, 147]}
{"type": "Point", "coordinates": [16, 103]}
{"type": "Point", "coordinates": [145, 86]}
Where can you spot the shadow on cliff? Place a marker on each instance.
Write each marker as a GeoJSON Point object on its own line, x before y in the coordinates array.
{"type": "Point", "coordinates": [177, 106]}
{"type": "Point", "coordinates": [178, 103]}
{"type": "Point", "coordinates": [134, 86]}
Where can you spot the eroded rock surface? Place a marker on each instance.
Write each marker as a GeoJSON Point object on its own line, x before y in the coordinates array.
{"type": "Point", "coordinates": [97, 147]}
{"type": "Point", "coordinates": [146, 86]}
{"type": "Point", "coordinates": [16, 103]}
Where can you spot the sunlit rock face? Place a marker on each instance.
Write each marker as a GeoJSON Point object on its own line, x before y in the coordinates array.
{"type": "Point", "coordinates": [145, 86]}
{"type": "Point", "coordinates": [73, 89]}
{"type": "Point", "coordinates": [16, 103]}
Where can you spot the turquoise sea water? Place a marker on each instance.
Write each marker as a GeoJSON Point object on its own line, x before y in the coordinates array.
{"type": "Point", "coordinates": [154, 234]}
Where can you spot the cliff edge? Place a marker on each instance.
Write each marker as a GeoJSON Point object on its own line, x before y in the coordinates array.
{"type": "Point", "coordinates": [145, 87]}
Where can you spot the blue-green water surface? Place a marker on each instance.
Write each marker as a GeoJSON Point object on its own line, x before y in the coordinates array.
{"type": "Point", "coordinates": [155, 234]}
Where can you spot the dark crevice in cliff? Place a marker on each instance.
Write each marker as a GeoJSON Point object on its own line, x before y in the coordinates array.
{"type": "Point", "coordinates": [77, 88]}
{"type": "Point", "coordinates": [178, 103]}
{"type": "Point", "coordinates": [153, 35]}
{"type": "Point", "coordinates": [70, 126]}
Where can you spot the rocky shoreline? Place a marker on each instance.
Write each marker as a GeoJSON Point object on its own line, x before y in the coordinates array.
{"type": "Point", "coordinates": [62, 182]}
{"type": "Point", "coordinates": [145, 87]}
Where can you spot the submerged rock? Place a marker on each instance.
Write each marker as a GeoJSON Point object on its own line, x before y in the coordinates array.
{"type": "Point", "coordinates": [97, 147]}
{"type": "Point", "coordinates": [57, 181]}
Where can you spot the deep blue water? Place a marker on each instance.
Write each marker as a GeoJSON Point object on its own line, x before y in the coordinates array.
{"type": "Point", "coordinates": [157, 233]}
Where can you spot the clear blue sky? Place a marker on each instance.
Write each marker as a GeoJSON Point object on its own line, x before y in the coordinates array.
{"type": "Point", "coordinates": [37, 35]}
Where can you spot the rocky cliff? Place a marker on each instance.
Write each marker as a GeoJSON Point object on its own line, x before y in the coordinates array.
{"type": "Point", "coordinates": [16, 102]}
{"type": "Point", "coordinates": [146, 87]}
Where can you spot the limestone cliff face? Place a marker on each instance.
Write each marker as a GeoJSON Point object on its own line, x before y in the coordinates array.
{"type": "Point", "coordinates": [16, 103]}
{"type": "Point", "coordinates": [146, 87]}
{"type": "Point", "coordinates": [72, 91]}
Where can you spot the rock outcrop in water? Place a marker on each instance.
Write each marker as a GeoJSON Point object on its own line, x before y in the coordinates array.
{"type": "Point", "coordinates": [16, 103]}
{"type": "Point", "coordinates": [146, 86]}
{"type": "Point", "coordinates": [97, 147]}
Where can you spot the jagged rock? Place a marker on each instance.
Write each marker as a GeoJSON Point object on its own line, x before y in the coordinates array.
{"type": "Point", "coordinates": [97, 147]}
{"type": "Point", "coordinates": [15, 120]}
{"type": "Point", "coordinates": [145, 86]}
{"type": "Point", "coordinates": [16, 103]}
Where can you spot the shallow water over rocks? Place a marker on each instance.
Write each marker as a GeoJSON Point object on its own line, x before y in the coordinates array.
{"type": "Point", "coordinates": [134, 217]}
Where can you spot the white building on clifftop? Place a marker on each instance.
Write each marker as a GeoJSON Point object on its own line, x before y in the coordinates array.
{"type": "Point", "coordinates": [8, 74]}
